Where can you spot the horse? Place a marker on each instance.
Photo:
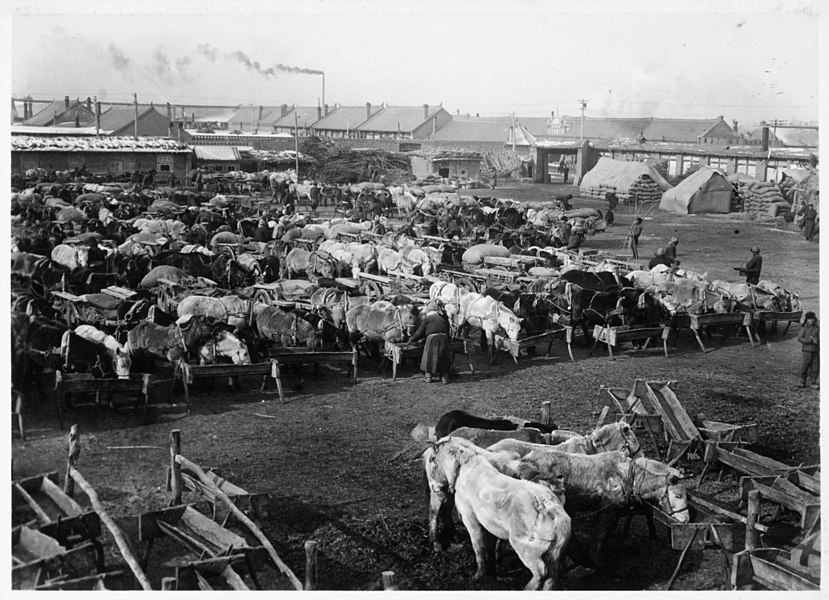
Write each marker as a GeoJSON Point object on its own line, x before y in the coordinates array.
{"type": "Point", "coordinates": [286, 328]}
{"type": "Point", "coordinates": [232, 310]}
{"type": "Point", "coordinates": [173, 343]}
{"type": "Point", "coordinates": [312, 263]}
{"type": "Point", "coordinates": [496, 506]}
{"type": "Point", "coordinates": [490, 316]}
{"type": "Point", "coordinates": [333, 304]}
{"type": "Point", "coordinates": [608, 482]}
{"type": "Point", "coordinates": [456, 419]}
{"type": "Point", "coordinates": [116, 351]}
{"type": "Point", "coordinates": [223, 344]}
{"type": "Point", "coordinates": [607, 438]}
{"type": "Point", "coordinates": [448, 294]}
{"type": "Point", "coordinates": [381, 321]}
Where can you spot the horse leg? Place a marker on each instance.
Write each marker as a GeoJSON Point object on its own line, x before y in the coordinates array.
{"type": "Point", "coordinates": [477, 535]}
{"type": "Point", "coordinates": [491, 342]}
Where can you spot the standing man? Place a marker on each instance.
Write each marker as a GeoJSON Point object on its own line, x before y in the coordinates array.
{"type": "Point", "coordinates": [670, 249]}
{"type": "Point", "coordinates": [753, 267]}
{"type": "Point", "coordinates": [635, 232]}
{"type": "Point", "coordinates": [809, 220]}
{"type": "Point", "coordinates": [566, 171]}
{"type": "Point", "coordinates": [809, 338]}
{"type": "Point", "coordinates": [493, 181]}
{"type": "Point", "coordinates": [436, 360]}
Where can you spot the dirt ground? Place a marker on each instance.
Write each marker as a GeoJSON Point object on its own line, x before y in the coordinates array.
{"type": "Point", "coordinates": [324, 455]}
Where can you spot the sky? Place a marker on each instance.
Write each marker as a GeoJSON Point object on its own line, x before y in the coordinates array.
{"type": "Point", "coordinates": [745, 61]}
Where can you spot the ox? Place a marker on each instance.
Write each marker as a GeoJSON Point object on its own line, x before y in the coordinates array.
{"type": "Point", "coordinates": [496, 506]}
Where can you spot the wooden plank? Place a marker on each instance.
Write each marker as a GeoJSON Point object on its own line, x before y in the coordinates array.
{"type": "Point", "coordinates": [64, 502]}
{"type": "Point", "coordinates": [673, 412]}
{"type": "Point", "coordinates": [805, 481]}
{"type": "Point", "coordinates": [88, 582]}
{"type": "Point", "coordinates": [776, 577]}
{"type": "Point", "coordinates": [211, 531]}
{"type": "Point", "coordinates": [35, 483]}
{"type": "Point", "coordinates": [148, 522]}
{"type": "Point", "coordinates": [721, 513]}
{"type": "Point", "coordinates": [33, 545]}
{"type": "Point", "coordinates": [41, 514]}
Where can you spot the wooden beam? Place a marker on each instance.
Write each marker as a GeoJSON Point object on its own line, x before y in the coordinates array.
{"type": "Point", "coordinates": [117, 534]}
{"type": "Point", "coordinates": [311, 565]}
{"type": "Point", "coordinates": [243, 518]}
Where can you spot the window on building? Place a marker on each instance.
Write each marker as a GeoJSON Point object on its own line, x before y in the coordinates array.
{"type": "Point", "coordinates": [689, 163]}
{"type": "Point", "coordinates": [443, 172]}
{"type": "Point", "coordinates": [747, 166]}
{"type": "Point", "coordinates": [718, 162]}
{"type": "Point", "coordinates": [672, 164]}
{"type": "Point", "coordinates": [164, 168]}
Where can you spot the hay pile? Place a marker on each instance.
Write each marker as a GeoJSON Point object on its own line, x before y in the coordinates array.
{"type": "Point", "coordinates": [347, 165]}
{"type": "Point", "coordinates": [762, 197]}
{"type": "Point", "coordinates": [505, 163]}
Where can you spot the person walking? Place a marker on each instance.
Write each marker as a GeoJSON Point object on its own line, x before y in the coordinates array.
{"type": "Point", "coordinates": [753, 267]}
{"type": "Point", "coordinates": [809, 338]}
{"type": "Point", "coordinates": [635, 232]}
{"type": "Point", "coordinates": [809, 221]}
{"type": "Point", "coordinates": [436, 359]}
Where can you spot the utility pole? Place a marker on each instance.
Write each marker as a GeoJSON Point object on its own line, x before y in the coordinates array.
{"type": "Point", "coordinates": [513, 131]}
{"type": "Point", "coordinates": [135, 105]}
{"type": "Point", "coordinates": [296, 143]}
{"type": "Point", "coordinates": [774, 141]}
{"type": "Point", "coordinates": [583, 104]}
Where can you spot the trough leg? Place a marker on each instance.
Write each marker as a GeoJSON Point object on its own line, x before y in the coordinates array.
{"type": "Point", "coordinates": [699, 339]}
{"type": "Point", "coordinates": [277, 376]}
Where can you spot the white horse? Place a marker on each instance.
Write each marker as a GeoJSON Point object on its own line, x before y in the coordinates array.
{"type": "Point", "coordinates": [496, 506]}
{"type": "Point", "coordinates": [490, 316]}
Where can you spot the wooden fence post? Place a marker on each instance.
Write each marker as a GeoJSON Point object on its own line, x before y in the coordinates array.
{"type": "Point", "coordinates": [751, 518]}
{"type": "Point", "coordinates": [311, 565]}
{"type": "Point", "coordinates": [388, 581]}
{"type": "Point", "coordinates": [175, 468]}
{"type": "Point", "coordinates": [74, 452]}
{"type": "Point", "coordinates": [546, 416]}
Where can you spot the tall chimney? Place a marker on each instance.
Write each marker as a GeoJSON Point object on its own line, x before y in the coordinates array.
{"type": "Point", "coordinates": [259, 118]}
{"type": "Point", "coordinates": [325, 109]}
{"type": "Point", "coordinates": [734, 126]}
{"type": "Point", "coordinates": [283, 110]}
{"type": "Point", "coordinates": [319, 112]}
{"type": "Point", "coordinates": [97, 117]}
{"type": "Point", "coordinates": [66, 101]}
{"type": "Point", "coordinates": [77, 117]}
{"type": "Point", "coordinates": [89, 103]}
{"type": "Point", "coordinates": [425, 111]}
{"type": "Point", "coordinates": [368, 110]}
{"type": "Point", "coordinates": [765, 138]}
{"type": "Point", "coordinates": [169, 112]}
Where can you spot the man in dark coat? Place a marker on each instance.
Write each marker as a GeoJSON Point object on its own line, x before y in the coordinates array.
{"type": "Point", "coordinates": [753, 267]}
{"type": "Point", "coordinates": [670, 249]}
{"type": "Point", "coordinates": [809, 338]}
{"type": "Point", "coordinates": [809, 221]}
{"type": "Point", "coordinates": [434, 327]}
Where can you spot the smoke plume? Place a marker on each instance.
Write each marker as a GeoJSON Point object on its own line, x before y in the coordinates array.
{"type": "Point", "coordinates": [212, 54]}
{"type": "Point", "coordinates": [118, 59]}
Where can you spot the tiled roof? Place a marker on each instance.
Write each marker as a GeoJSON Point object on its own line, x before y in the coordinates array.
{"type": "Point", "coordinates": [399, 118]}
{"type": "Point", "coordinates": [798, 137]}
{"type": "Point", "coordinates": [251, 114]}
{"type": "Point", "coordinates": [475, 129]}
{"type": "Point", "coordinates": [306, 117]}
{"type": "Point", "coordinates": [118, 117]}
{"type": "Point", "coordinates": [678, 130]}
{"type": "Point", "coordinates": [345, 118]}
{"type": "Point", "coordinates": [51, 130]}
{"type": "Point", "coordinates": [652, 128]}
{"type": "Point", "coordinates": [46, 115]}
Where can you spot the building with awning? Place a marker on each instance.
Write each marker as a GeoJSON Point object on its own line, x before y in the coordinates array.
{"type": "Point", "coordinates": [217, 159]}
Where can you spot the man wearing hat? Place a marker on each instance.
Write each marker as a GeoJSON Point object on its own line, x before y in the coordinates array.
{"type": "Point", "coordinates": [576, 237]}
{"type": "Point", "coordinates": [434, 327]}
{"type": "Point", "coordinates": [670, 249]}
{"type": "Point", "coordinates": [753, 267]}
{"type": "Point", "coordinates": [263, 233]}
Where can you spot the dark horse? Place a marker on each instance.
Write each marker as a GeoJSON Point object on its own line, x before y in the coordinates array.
{"type": "Point", "coordinates": [456, 419]}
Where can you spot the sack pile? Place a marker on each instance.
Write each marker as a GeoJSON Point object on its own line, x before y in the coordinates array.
{"type": "Point", "coordinates": [763, 197]}
{"type": "Point", "coordinates": [643, 190]}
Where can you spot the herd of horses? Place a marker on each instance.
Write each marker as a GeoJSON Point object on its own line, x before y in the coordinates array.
{"type": "Point", "coordinates": [505, 487]}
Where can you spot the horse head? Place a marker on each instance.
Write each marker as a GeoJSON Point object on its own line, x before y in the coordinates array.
{"type": "Point", "coordinates": [121, 363]}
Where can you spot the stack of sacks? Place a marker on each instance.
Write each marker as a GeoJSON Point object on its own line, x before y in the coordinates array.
{"type": "Point", "coordinates": [763, 197]}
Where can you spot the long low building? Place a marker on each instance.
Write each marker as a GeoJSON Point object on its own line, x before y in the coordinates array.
{"type": "Point", "coordinates": [106, 155]}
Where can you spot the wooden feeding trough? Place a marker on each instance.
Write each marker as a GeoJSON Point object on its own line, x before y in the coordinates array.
{"type": "Point", "coordinates": [784, 491]}
{"type": "Point", "coordinates": [772, 317]}
{"type": "Point", "coordinates": [728, 321]}
{"type": "Point", "coordinates": [527, 345]}
{"type": "Point", "coordinates": [197, 533]}
{"type": "Point", "coordinates": [39, 559]}
{"type": "Point", "coordinates": [616, 336]}
{"type": "Point", "coordinates": [254, 505]}
{"type": "Point", "coordinates": [718, 431]}
{"type": "Point", "coordinates": [190, 373]}
{"type": "Point", "coordinates": [397, 353]}
{"type": "Point", "coordinates": [55, 513]}
{"type": "Point", "coordinates": [142, 385]}
{"type": "Point", "coordinates": [774, 569]}
{"type": "Point", "coordinates": [222, 573]}
{"type": "Point", "coordinates": [292, 356]}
